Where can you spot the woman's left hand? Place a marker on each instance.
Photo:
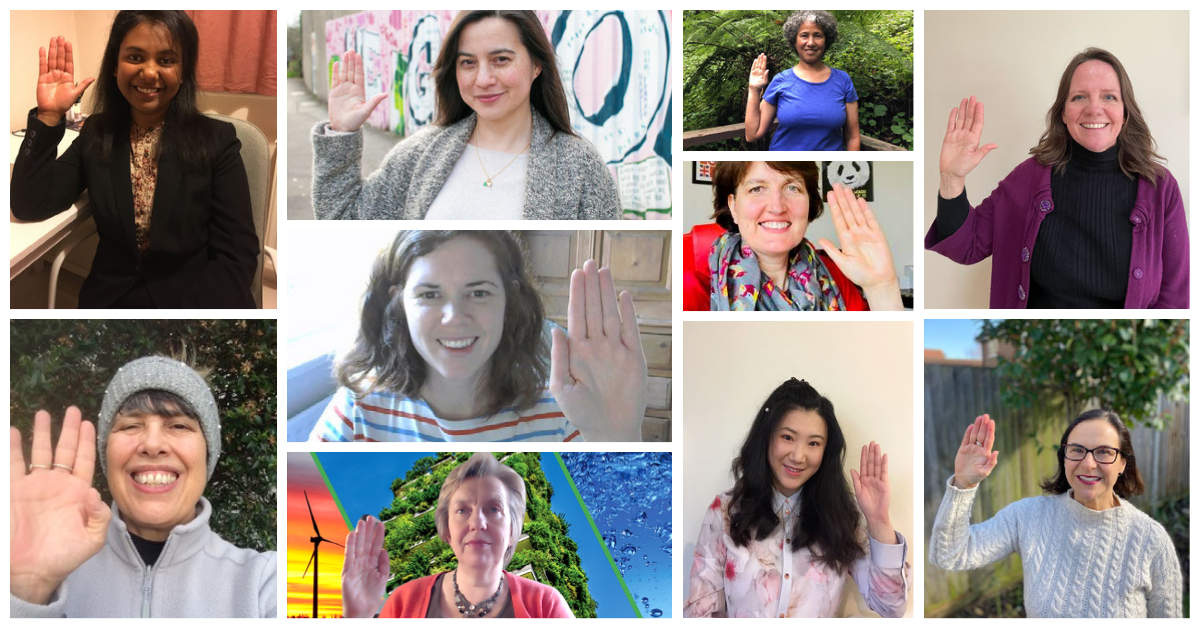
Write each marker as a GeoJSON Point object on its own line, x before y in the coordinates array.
{"type": "Point", "coordinates": [597, 369]}
{"type": "Point", "coordinates": [864, 256]}
{"type": "Point", "coordinates": [873, 493]}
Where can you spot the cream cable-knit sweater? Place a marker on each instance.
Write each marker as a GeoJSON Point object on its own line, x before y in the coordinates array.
{"type": "Point", "coordinates": [1078, 562]}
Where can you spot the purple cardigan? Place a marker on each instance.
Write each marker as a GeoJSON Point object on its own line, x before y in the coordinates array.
{"type": "Point", "coordinates": [1158, 267]}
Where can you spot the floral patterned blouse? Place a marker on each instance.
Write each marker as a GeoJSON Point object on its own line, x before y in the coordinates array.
{"type": "Point", "coordinates": [769, 578]}
{"type": "Point", "coordinates": [143, 171]}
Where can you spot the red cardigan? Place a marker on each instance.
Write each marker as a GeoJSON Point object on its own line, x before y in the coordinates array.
{"type": "Point", "coordinates": [697, 278]}
{"type": "Point", "coordinates": [530, 599]}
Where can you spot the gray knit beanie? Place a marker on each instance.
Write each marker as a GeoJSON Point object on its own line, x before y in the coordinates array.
{"type": "Point", "coordinates": [161, 373]}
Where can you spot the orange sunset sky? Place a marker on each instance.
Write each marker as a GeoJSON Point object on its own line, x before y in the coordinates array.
{"type": "Point", "coordinates": [304, 476]}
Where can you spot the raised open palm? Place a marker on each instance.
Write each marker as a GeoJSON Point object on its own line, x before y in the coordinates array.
{"type": "Point", "coordinates": [975, 459]}
{"type": "Point", "coordinates": [364, 570]}
{"type": "Point", "coordinates": [349, 106]}
{"type": "Point", "coordinates": [759, 73]}
{"type": "Point", "coordinates": [864, 256]}
{"type": "Point", "coordinates": [56, 519]}
{"type": "Point", "coordinates": [597, 369]}
{"type": "Point", "coordinates": [961, 151]}
{"type": "Point", "coordinates": [871, 487]}
{"type": "Point", "coordinates": [56, 88]}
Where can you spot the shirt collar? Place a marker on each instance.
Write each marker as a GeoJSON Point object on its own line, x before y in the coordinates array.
{"type": "Point", "coordinates": [783, 505]}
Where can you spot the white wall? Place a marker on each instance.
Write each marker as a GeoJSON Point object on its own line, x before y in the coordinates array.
{"type": "Point", "coordinates": [864, 368]}
{"type": "Point", "coordinates": [893, 207]}
{"type": "Point", "coordinates": [1012, 61]}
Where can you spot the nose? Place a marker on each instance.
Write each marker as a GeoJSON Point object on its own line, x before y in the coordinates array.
{"type": "Point", "coordinates": [775, 203]}
{"type": "Point", "coordinates": [484, 76]}
{"type": "Point", "coordinates": [477, 520]}
{"type": "Point", "coordinates": [153, 440]}
{"type": "Point", "coordinates": [453, 310]}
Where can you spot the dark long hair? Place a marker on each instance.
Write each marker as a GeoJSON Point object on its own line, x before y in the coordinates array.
{"type": "Point", "coordinates": [1137, 155]}
{"type": "Point", "coordinates": [827, 520]}
{"type": "Point", "coordinates": [546, 93]}
{"type": "Point", "coordinates": [1129, 483]}
{"type": "Point", "coordinates": [184, 133]}
{"type": "Point", "coordinates": [385, 358]}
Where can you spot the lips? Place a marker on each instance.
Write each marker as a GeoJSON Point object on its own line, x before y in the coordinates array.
{"type": "Point", "coordinates": [489, 98]}
{"type": "Point", "coordinates": [148, 90]}
{"type": "Point", "coordinates": [1089, 480]}
{"type": "Point", "coordinates": [775, 225]}
{"type": "Point", "coordinates": [1094, 125]}
{"type": "Point", "coordinates": [793, 471]}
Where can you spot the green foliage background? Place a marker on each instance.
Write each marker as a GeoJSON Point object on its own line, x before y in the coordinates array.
{"type": "Point", "coordinates": [874, 47]}
{"type": "Point", "coordinates": [60, 363]}
{"type": "Point", "coordinates": [553, 555]}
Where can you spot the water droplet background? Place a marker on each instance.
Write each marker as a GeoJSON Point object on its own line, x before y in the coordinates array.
{"type": "Point", "coordinates": [629, 497]}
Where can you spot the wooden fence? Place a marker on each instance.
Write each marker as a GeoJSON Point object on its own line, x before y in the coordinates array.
{"type": "Point", "coordinates": [954, 395]}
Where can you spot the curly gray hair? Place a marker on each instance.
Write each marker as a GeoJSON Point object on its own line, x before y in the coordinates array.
{"type": "Point", "coordinates": [821, 18]}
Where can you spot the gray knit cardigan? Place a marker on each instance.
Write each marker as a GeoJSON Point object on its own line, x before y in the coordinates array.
{"type": "Point", "coordinates": [566, 179]}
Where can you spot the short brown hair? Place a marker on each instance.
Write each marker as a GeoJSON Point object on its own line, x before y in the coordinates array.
{"type": "Point", "coordinates": [1138, 154]}
{"type": "Point", "coordinates": [728, 175]}
{"type": "Point", "coordinates": [384, 356]}
{"type": "Point", "coordinates": [484, 464]}
{"type": "Point", "coordinates": [546, 94]}
{"type": "Point", "coordinates": [1129, 482]}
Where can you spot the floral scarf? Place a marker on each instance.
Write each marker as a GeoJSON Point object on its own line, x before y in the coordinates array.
{"type": "Point", "coordinates": [739, 285]}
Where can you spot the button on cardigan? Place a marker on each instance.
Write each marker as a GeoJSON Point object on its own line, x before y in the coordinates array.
{"type": "Point", "coordinates": [1005, 227]}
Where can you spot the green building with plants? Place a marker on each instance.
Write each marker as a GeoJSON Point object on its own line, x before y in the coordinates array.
{"type": "Point", "coordinates": [545, 551]}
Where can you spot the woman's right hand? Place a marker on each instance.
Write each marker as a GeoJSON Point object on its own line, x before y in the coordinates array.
{"type": "Point", "coordinates": [56, 519]}
{"type": "Point", "coordinates": [975, 459]}
{"type": "Point", "coordinates": [961, 151]}
{"type": "Point", "coordinates": [364, 570]}
{"type": "Point", "coordinates": [348, 104]}
{"type": "Point", "coordinates": [758, 73]}
{"type": "Point", "coordinates": [56, 88]}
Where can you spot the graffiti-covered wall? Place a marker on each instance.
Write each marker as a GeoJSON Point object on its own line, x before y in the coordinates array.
{"type": "Point", "coordinates": [615, 65]}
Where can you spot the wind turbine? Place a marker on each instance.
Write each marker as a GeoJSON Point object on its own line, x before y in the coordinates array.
{"type": "Point", "coordinates": [313, 560]}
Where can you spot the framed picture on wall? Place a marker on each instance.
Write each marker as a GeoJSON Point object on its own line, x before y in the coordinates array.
{"type": "Point", "coordinates": [855, 175]}
{"type": "Point", "coordinates": [702, 171]}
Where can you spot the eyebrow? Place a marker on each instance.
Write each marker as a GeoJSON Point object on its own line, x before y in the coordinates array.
{"type": "Point", "coordinates": [788, 429]}
{"type": "Point", "coordinates": [138, 49]}
{"type": "Point", "coordinates": [472, 284]}
{"type": "Point", "coordinates": [497, 51]}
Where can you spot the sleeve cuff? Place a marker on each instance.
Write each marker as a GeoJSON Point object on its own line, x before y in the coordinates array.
{"type": "Point", "coordinates": [889, 556]}
{"type": "Point", "coordinates": [951, 487]}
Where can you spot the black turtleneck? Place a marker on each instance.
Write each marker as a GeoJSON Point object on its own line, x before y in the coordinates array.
{"type": "Point", "coordinates": [1081, 255]}
{"type": "Point", "coordinates": [147, 549]}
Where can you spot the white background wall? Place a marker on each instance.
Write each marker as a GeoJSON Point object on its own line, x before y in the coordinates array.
{"type": "Point", "coordinates": [1012, 61]}
{"type": "Point", "coordinates": [893, 207]}
{"type": "Point", "coordinates": [864, 368]}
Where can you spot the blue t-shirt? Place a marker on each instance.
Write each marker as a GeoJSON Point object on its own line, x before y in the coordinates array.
{"type": "Point", "coordinates": [811, 115]}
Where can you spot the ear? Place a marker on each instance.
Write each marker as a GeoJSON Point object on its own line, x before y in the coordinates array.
{"type": "Point", "coordinates": [537, 70]}
{"type": "Point", "coordinates": [732, 203]}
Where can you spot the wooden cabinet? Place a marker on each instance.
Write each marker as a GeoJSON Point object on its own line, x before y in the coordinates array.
{"type": "Point", "coordinates": [640, 262]}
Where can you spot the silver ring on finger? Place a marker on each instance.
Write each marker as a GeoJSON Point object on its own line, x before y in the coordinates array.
{"type": "Point", "coordinates": [38, 466]}
{"type": "Point", "coordinates": [63, 466]}
{"type": "Point", "coordinates": [978, 443]}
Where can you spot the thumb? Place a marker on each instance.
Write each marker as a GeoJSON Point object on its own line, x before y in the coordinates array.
{"type": "Point", "coordinates": [985, 149]}
{"type": "Point", "coordinates": [857, 483]}
{"type": "Point", "coordinates": [560, 359]}
{"type": "Point", "coordinates": [832, 251]}
{"type": "Point", "coordinates": [98, 515]}
{"type": "Point", "coordinates": [994, 459]}
{"type": "Point", "coordinates": [375, 100]}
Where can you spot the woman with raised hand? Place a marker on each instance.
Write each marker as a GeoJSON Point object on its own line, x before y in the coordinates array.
{"type": "Point", "coordinates": [454, 346]}
{"type": "Point", "coordinates": [817, 105]}
{"type": "Point", "coordinates": [167, 187]}
{"type": "Point", "coordinates": [1092, 220]}
{"type": "Point", "coordinates": [501, 145]}
{"type": "Point", "coordinates": [783, 542]}
{"type": "Point", "coordinates": [1082, 535]}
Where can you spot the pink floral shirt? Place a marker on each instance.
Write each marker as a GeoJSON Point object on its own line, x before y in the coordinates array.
{"type": "Point", "coordinates": [143, 173]}
{"type": "Point", "coordinates": [769, 578]}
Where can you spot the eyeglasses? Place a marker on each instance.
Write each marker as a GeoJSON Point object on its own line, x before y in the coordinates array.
{"type": "Point", "coordinates": [1102, 455]}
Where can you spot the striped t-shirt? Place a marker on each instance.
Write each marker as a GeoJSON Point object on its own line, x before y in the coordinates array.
{"type": "Point", "coordinates": [384, 416]}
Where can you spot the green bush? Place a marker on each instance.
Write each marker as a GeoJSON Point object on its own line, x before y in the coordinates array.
{"type": "Point", "coordinates": [874, 47]}
{"type": "Point", "coordinates": [60, 363]}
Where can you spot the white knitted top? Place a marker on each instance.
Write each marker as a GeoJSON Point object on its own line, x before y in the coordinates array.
{"type": "Point", "coordinates": [1078, 562]}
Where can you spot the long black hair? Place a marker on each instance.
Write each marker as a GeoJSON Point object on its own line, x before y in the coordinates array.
{"type": "Point", "coordinates": [827, 520]}
{"type": "Point", "coordinates": [184, 133]}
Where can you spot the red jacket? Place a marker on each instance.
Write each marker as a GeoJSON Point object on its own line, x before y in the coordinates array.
{"type": "Point", "coordinates": [530, 599]}
{"type": "Point", "coordinates": [697, 277]}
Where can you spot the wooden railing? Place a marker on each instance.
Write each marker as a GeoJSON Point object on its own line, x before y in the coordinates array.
{"type": "Point", "coordinates": [693, 139]}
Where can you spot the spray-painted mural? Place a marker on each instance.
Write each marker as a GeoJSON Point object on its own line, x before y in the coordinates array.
{"type": "Point", "coordinates": [615, 66]}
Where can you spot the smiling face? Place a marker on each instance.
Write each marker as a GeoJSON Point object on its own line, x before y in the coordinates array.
{"type": "Point", "coordinates": [1091, 482]}
{"type": "Point", "coordinates": [494, 69]}
{"type": "Point", "coordinates": [1094, 112]}
{"type": "Point", "coordinates": [770, 209]}
{"type": "Point", "coordinates": [797, 447]}
{"type": "Point", "coordinates": [454, 302]}
{"type": "Point", "coordinates": [148, 72]}
{"type": "Point", "coordinates": [810, 42]}
{"type": "Point", "coordinates": [479, 525]}
{"type": "Point", "coordinates": [156, 471]}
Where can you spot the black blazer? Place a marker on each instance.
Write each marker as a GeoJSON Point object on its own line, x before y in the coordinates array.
{"type": "Point", "coordinates": [203, 248]}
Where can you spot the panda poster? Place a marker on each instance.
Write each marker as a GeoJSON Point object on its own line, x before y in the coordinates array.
{"type": "Point", "coordinates": [855, 175]}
